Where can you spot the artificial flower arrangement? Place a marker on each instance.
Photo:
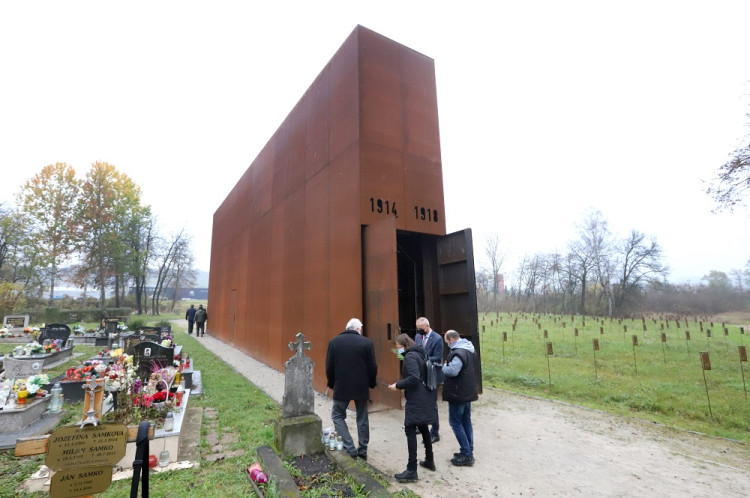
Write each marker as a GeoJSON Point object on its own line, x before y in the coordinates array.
{"type": "Point", "coordinates": [34, 331]}
{"type": "Point", "coordinates": [122, 327]}
{"type": "Point", "coordinates": [167, 342]}
{"type": "Point", "coordinates": [33, 384]}
{"type": "Point", "coordinates": [51, 346]}
{"type": "Point", "coordinates": [4, 332]}
{"type": "Point", "coordinates": [78, 329]}
{"type": "Point", "coordinates": [120, 374]}
{"type": "Point", "coordinates": [29, 349]}
{"type": "Point", "coordinates": [89, 370]}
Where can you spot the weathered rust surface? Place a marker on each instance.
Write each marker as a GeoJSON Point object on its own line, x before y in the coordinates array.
{"type": "Point", "coordinates": [360, 148]}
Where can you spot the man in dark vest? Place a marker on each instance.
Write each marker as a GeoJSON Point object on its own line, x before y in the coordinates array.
{"type": "Point", "coordinates": [459, 390]}
{"type": "Point", "coordinates": [351, 371]}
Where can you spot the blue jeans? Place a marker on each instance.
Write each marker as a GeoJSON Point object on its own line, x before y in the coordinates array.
{"type": "Point", "coordinates": [338, 416]}
{"type": "Point", "coordinates": [459, 417]}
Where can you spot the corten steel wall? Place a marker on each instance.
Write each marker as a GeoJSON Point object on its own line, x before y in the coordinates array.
{"type": "Point", "coordinates": [287, 248]}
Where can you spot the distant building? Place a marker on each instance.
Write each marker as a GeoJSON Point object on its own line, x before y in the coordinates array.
{"type": "Point", "coordinates": [200, 293]}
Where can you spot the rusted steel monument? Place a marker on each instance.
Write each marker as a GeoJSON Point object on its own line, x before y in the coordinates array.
{"type": "Point", "coordinates": [341, 215]}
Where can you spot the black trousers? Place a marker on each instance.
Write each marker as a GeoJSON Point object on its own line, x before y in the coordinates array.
{"type": "Point", "coordinates": [190, 326]}
{"type": "Point", "coordinates": [200, 328]}
{"type": "Point", "coordinates": [411, 443]}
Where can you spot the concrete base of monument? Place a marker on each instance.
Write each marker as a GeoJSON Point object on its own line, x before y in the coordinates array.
{"type": "Point", "coordinates": [298, 435]}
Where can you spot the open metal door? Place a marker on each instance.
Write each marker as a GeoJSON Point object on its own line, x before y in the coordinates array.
{"type": "Point", "coordinates": [380, 281]}
{"type": "Point", "coordinates": [457, 289]}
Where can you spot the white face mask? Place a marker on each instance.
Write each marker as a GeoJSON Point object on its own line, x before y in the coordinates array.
{"type": "Point", "coordinates": [400, 350]}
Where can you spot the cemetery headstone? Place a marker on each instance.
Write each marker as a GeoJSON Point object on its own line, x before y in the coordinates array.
{"type": "Point", "coordinates": [298, 388]}
{"type": "Point", "coordinates": [298, 432]}
{"type": "Point", "coordinates": [130, 342]}
{"type": "Point", "coordinates": [151, 337]}
{"type": "Point", "coordinates": [16, 368]}
{"type": "Point", "coordinates": [55, 331]}
{"type": "Point", "coordinates": [149, 356]}
{"type": "Point", "coordinates": [110, 326]}
{"type": "Point", "coordinates": [15, 323]}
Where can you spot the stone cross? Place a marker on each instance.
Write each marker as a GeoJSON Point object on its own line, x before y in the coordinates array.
{"type": "Point", "coordinates": [300, 344]}
{"type": "Point", "coordinates": [298, 381]}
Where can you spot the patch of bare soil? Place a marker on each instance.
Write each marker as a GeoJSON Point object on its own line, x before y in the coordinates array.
{"type": "Point", "coordinates": [318, 471]}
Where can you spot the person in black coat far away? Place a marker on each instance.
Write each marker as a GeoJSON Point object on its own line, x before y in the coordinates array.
{"type": "Point", "coordinates": [351, 371]}
{"type": "Point", "coordinates": [420, 406]}
{"type": "Point", "coordinates": [190, 317]}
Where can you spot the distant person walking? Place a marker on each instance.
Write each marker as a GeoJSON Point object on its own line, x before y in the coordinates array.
{"type": "Point", "coordinates": [201, 317]}
{"type": "Point", "coordinates": [432, 343]}
{"type": "Point", "coordinates": [190, 317]}
{"type": "Point", "coordinates": [420, 406]}
{"type": "Point", "coordinates": [459, 391]}
{"type": "Point", "coordinates": [351, 371]}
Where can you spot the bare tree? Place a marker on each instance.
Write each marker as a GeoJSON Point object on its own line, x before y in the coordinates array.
{"type": "Point", "coordinates": [496, 257]}
{"type": "Point", "coordinates": [184, 272]}
{"type": "Point", "coordinates": [588, 251]}
{"type": "Point", "coordinates": [732, 182]}
{"type": "Point", "coordinates": [174, 265]}
{"type": "Point", "coordinates": [641, 263]}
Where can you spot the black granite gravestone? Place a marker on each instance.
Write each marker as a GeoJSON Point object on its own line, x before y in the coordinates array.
{"type": "Point", "coordinates": [55, 331]}
{"type": "Point", "coordinates": [150, 356]}
{"type": "Point", "coordinates": [129, 343]}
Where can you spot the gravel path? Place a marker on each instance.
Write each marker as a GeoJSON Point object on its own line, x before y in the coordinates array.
{"type": "Point", "coordinates": [531, 447]}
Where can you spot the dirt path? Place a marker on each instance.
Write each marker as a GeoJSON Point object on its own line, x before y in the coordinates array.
{"type": "Point", "coordinates": [531, 447]}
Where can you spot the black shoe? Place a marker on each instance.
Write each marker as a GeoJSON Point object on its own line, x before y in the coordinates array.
{"type": "Point", "coordinates": [361, 457]}
{"type": "Point", "coordinates": [463, 461]}
{"type": "Point", "coordinates": [435, 439]}
{"type": "Point", "coordinates": [427, 465]}
{"type": "Point", "coordinates": [407, 476]}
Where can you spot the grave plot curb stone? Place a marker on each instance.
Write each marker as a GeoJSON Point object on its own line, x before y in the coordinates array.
{"type": "Point", "coordinates": [287, 487]}
{"type": "Point", "coordinates": [273, 465]}
{"type": "Point", "coordinates": [352, 467]}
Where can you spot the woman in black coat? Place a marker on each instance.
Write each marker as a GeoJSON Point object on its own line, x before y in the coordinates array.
{"type": "Point", "coordinates": [420, 406]}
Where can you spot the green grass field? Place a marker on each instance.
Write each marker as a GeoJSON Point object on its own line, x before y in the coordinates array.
{"type": "Point", "coordinates": [658, 381]}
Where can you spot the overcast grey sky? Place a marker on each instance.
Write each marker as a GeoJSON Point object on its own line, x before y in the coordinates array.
{"type": "Point", "coordinates": [546, 108]}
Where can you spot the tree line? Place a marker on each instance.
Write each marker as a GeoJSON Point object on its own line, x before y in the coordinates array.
{"type": "Point", "coordinates": [602, 274]}
{"type": "Point", "coordinates": [93, 232]}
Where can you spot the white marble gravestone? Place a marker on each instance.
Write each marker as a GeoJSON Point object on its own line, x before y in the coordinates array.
{"type": "Point", "coordinates": [16, 323]}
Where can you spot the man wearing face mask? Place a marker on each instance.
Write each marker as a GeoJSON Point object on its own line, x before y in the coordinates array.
{"type": "Point", "coordinates": [432, 343]}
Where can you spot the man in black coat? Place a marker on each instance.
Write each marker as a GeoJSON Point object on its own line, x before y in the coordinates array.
{"type": "Point", "coordinates": [190, 317]}
{"type": "Point", "coordinates": [351, 372]}
{"type": "Point", "coordinates": [432, 343]}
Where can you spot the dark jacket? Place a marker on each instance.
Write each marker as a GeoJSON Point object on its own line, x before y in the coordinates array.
{"type": "Point", "coordinates": [460, 373]}
{"type": "Point", "coordinates": [351, 369]}
{"type": "Point", "coordinates": [190, 314]}
{"type": "Point", "coordinates": [201, 315]}
{"type": "Point", "coordinates": [420, 403]}
{"type": "Point", "coordinates": [434, 350]}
